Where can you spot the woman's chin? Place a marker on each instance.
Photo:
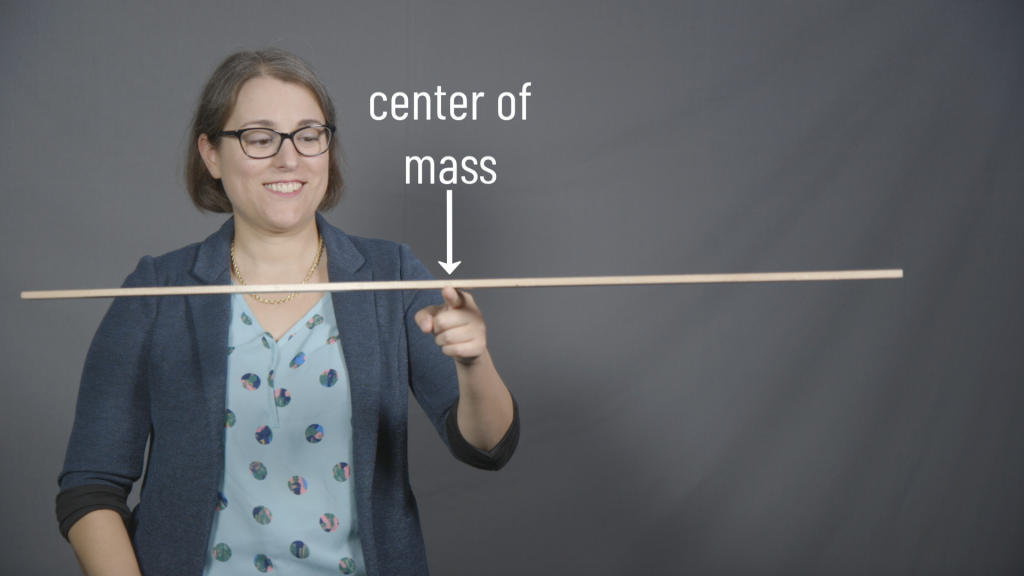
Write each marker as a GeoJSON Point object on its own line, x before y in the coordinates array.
{"type": "Point", "coordinates": [276, 214]}
{"type": "Point", "coordinates": [291, 222]}
{"type": "Point", "coordinates": [277, 220]}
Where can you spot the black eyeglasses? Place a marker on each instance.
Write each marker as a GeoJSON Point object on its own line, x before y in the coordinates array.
{"type": "Point", "coordinates": [263, 142]}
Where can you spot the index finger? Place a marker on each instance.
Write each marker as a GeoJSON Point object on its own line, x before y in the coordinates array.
{"type": "Point", "coordinates": [453, 297]}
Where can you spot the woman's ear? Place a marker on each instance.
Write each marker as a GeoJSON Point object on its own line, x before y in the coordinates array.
{"type": "Point", "coordinates": [209, 154]}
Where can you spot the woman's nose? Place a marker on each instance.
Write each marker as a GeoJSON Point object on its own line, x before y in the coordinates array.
{"type": "Point", "coordinates": [288, 155]}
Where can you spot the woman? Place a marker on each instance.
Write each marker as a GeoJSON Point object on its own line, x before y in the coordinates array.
{"type": "Point", "coordinates": [276, 423]}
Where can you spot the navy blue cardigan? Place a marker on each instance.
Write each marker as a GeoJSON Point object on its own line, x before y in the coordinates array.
{"type": "Point", "coordinates": [157, 370]}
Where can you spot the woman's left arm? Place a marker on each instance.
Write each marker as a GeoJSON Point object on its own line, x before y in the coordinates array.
{"type": "Point", "coordinates": [485, 406]}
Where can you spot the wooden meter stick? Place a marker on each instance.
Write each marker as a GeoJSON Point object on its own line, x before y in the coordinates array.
{"type": "Point", "coordinates": [483, 283]}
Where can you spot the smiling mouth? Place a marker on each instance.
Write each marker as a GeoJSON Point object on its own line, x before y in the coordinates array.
{"type": "Point", "coordinates": [283, 187]}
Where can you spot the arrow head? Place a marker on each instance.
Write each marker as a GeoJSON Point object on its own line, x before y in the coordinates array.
{"type": "Point", "coordinates": [448, 266]}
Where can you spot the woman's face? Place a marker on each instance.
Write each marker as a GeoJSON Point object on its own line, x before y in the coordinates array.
{"type": "Point", "coordinates": [280, 193]}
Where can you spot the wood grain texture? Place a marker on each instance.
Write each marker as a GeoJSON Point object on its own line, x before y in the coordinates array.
{"type": "Point", "coordinates": [469, 284]}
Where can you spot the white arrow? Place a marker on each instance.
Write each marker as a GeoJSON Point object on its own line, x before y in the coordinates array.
{"type": "Point", "coordinates": [449, 266]}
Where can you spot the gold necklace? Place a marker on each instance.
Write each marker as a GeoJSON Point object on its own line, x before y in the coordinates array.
{"type": "Point", "coordinates": [316, 262]}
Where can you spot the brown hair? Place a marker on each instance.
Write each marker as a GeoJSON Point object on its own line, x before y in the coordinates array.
{"type": "Point", "coordinates": [217, 102]}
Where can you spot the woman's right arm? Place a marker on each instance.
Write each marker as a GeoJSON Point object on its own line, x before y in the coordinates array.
{"type": "Point", "coordinates": [102, 545]}
{"type": "Point", "coordinates": [106, 449]}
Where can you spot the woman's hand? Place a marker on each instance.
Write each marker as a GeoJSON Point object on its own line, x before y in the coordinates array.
{"type": "Point", "coordinates": [485, 405]}
{"type": "Point", "coordinates": [458, 326]}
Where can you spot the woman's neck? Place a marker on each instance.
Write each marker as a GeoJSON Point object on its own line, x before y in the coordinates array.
{"type": "Point", "coordinates": [265, 257]}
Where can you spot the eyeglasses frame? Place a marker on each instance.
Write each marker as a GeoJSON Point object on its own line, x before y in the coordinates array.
{"type": "Point", "coordinates": [284, 136]}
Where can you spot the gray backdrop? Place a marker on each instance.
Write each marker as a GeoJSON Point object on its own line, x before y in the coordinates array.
{"type": "Point", "coordinates": [812, 428]}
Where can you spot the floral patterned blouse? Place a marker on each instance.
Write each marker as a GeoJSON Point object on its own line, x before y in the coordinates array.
{"type": "Point", "coordinates": [286, 502]}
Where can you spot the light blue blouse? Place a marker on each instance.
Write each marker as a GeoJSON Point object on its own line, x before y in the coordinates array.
{"type": "Point", "coordinates": [287, 502]}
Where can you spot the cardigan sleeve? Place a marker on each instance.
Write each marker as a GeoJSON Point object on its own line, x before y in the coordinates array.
{"type": "Point", "coordinates": [493, 459]}
{"type": "Point", "coordinates": [105, 453]}
{"type": "Point", "coordinates": [75, 503]}
{"type": "Point", "coordinates": [434, 381]}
